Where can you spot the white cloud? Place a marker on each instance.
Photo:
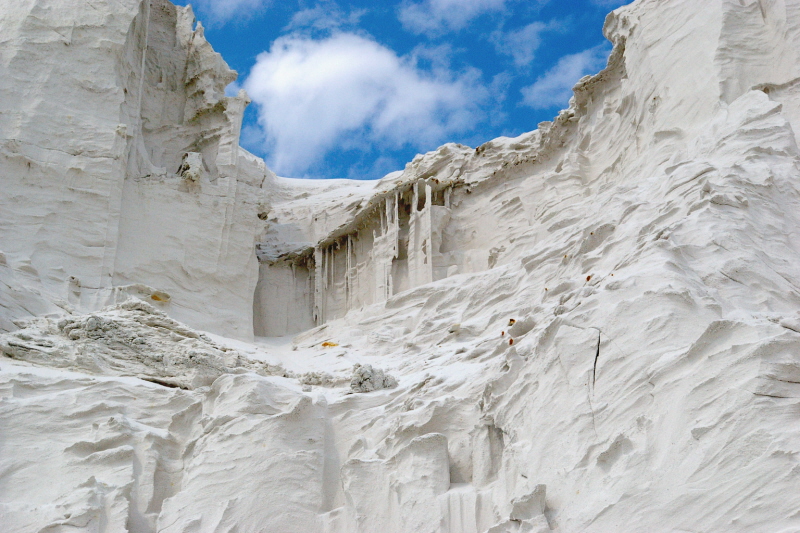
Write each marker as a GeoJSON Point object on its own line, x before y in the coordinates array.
{"type": "Point", "coordinates": [325, 16]}
{"type": "Point", "coordinates": [554, 88]}
{"type": "Point", "coordinates": [437, 16]}
{"type": "Point", "coordinates": [438, 57]}
{"type": "Point", "coordinates": [349, 91]}
{"type": "Point", "coordinates": [220, 12]}
{"type": "Point", "coordinates": [232, 89]}
{"type": "Point", "coordinates": [521, 44]}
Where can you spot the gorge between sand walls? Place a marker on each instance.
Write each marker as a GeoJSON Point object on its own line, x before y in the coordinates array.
{"type": "Point", "coordinates": [592, 327]}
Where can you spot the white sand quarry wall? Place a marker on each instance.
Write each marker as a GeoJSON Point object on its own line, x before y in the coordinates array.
{"type": "Point", "coordinates": [101, 104]}
{"type": "Point", "coordinates": [591, 327]}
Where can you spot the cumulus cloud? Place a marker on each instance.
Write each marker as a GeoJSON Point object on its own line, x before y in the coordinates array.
{"type": "Point", "coordinates": [220, 12]}
{"type": "Point", "coordinates": [554, 88]}
{"type": "Point", "coordinates": [437, 16]}
{"type": "Point", "coordinates": [521, 44]}
{"type": "Point", "coordinates": [350, 92]}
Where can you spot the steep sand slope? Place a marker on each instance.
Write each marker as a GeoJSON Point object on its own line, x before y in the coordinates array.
{"type": "Point", "coordinates": [607, 339]}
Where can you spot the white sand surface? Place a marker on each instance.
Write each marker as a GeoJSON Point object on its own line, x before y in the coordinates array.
{"type": "Point", "coordinates": [594, 327]}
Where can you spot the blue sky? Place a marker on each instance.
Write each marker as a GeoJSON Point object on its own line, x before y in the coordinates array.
{"type": "Point", "coordinates": [356, 88]}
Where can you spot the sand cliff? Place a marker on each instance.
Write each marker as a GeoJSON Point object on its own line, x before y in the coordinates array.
{"type": "Point", "coordinates": [592, 327]}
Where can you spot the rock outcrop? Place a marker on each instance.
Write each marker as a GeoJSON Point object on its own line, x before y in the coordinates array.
{"type": "Point", "coordinates": [591, 327]}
